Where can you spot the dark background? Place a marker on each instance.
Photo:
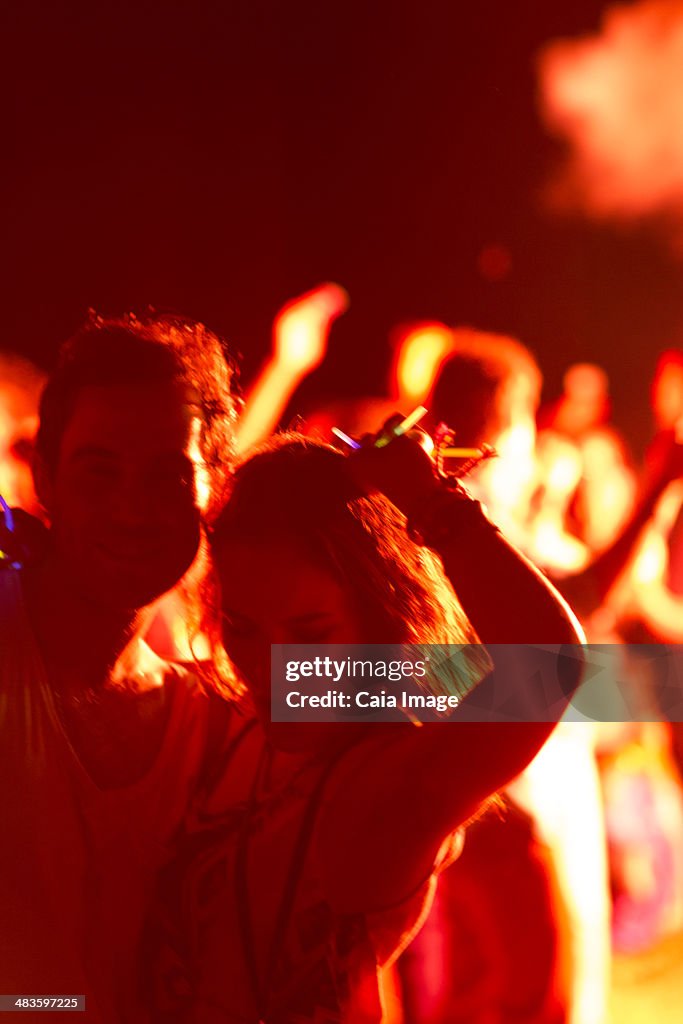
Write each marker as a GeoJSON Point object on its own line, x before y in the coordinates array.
{"type": "Point", "coordinates": [218, 158]}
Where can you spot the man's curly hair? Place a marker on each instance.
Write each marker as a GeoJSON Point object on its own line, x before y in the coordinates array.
{"type": "Point", "coordinates": [147, 349]}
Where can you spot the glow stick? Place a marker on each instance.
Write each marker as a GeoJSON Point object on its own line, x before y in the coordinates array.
{"type": "Point", "coordinates": [411, 419]}
{"type": "Point", "coordinates": [403, 427]}
{"type": "Point", "coordinates": [460, 453]}
{"type": "Point", "coordinates": [345, 438]}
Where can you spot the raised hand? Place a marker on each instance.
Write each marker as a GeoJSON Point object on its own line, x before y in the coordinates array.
{"type": "Point", "coordinates": [401, 468]}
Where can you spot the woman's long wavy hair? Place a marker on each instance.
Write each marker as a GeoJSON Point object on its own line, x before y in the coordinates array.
{"type": "Point", "coordinates": [296, 489]}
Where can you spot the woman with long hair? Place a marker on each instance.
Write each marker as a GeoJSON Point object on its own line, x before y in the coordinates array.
{"type": "Point", "coordinates": [311, 854]}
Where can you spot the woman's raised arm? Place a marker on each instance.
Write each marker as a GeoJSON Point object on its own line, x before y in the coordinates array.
{"type": "Point", "coordinates": [397, 796]}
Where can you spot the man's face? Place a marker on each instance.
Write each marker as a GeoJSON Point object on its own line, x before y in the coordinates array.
{"type": "Point", "coordinates": [122, 497]}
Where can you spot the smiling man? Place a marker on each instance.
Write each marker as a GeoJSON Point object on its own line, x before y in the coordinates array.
{"type": "Point", "coordinates": [101, 742]}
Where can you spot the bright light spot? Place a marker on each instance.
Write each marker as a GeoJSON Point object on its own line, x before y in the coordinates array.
{"type": "Point", "coordinates": [556, 549]}
{"type": "Point", "coordinates": [300, 334]}
{"type": "Point", "coordinates": [564, 472]}
{"type": "Point", "coordinates": [302, 327]}
{"type": "Point", "coordinates": [202, 480]}
{"type": "Point", "coordinates": [420, 352]}
{"type": "Point", "coordinates": [650, 563]}
{"type": "Point", "coordinates": [427, 442]}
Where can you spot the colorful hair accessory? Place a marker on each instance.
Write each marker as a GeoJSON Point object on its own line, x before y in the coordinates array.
{"type": "Point", "coordinates": [403, 427]}
{"type": "Point", "coordinates": [345, 438]}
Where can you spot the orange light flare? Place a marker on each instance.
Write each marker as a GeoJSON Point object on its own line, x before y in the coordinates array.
{"type": "Point", "coordinates": [616, 99]}
{"type": "Point", "coordinates": [420, 351]}
{"type": "Point", "coordinates": [300, 335]}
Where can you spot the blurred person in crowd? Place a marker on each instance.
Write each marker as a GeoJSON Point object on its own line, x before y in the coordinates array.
{"type": "Point", "coordinates": [604, 590]}
{"type": "Point", "coordinates": [560, 470]}
{"type": "Point", "coordinates": [101, 741]}
{"type": "Point", "coordinates": [642, 774]}
{"type": "Point", "coordinates": [551, 963]}
{"type": "Point", "coordinates": [597, 504]}
{"type": "Point", "coordinates": [487, 391]}
{"type": "Point", "coordinates": [635, 580]}
{"type": "Point", "coordinates": [667, 390]}
{"type": "Point", "coordinates": [21, 384]}
{"type": "Point", "coordinates": [627, 595]}
{"type": "Point", "coordinates": [656, 591]}
{"type": "Point", "coordinates": [284, 911]}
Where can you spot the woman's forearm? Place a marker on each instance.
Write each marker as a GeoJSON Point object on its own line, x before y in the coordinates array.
{"type": "Point", "coordinates": [506, 598]}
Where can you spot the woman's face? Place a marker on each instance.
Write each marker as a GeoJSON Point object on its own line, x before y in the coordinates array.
{"type": "Point", "coordinates": [273, 592]}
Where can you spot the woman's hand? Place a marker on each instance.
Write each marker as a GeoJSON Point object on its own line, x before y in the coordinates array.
{"type": "Point", "coordinates": [401, 469]}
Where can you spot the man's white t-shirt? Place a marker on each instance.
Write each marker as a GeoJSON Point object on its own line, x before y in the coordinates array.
{"type": "Point", "coordinates": [78, 863]}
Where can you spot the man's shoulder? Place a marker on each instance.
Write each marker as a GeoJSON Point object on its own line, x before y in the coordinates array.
{"type": "Point", "coordinates": [225, 724]}
{"type": "Point", "coordinates": [224, 717]}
